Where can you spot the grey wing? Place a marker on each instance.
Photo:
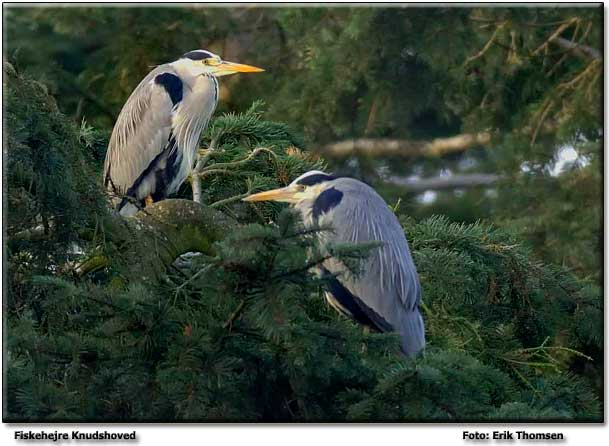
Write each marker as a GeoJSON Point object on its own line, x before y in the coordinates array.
{"type": "Point", "coordinates": [389, 284]}
{"type": "Point", "coordinates": [141, 132]}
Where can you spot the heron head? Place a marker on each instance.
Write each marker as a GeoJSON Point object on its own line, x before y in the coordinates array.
{"type": "Point", "coordinates": [308, 186]}
{"type": "Point", "coordinates": [200, 62]}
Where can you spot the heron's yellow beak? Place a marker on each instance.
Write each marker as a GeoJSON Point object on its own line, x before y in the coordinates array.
{"type": "Point", "coordinates": [285, 194]}
{"type": "Point", "coordinates": [224, 68]}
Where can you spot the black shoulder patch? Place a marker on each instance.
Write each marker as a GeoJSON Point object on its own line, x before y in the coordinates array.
{"type": "Point", "coordinates": [315, 179]}
{"type": "Point", "coordinates": [197, 55]}
{"type": "Point", "coordinates": [326, 201]}
{"type": "Point", "coordinates": [361, 312]}
{"type": "Point", "coordinates": [172, 85]}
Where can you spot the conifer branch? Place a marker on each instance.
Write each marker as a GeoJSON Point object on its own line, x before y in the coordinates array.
{"type": "Point", "coordinates": [210, 171]}
{"type": "Point", "coordinates": [229, 200]}
{"type": "Point", "coordinates": [241, 162]}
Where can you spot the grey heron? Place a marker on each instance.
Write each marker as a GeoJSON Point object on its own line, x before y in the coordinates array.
{"type": "Point", "coordinates": [387, 295]}
{"type": "Point", "coordinates": [154, 141]}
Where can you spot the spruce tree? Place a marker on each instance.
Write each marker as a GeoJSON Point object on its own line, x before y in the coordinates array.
{"type": "Point", "coordinates": [103, 325]}
{"type": "Point", "coordinates": [528, 79]}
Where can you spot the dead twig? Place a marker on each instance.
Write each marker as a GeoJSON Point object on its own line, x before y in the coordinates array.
{"type": "Point", "coordinates": [542, 118]}
{"type": "Point", "coordinates": [193, 277]}
{"type": "Point", "coordinates": [555, 34]}
{"type": "Point", "coordinates": [573, 82]}
{"type": "Point", "coordinates": [486, 47]}
{"type": "Point", "coordinates": [229, 322]}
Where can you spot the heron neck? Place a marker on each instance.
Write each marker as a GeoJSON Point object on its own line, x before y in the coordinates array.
{"type": "Point", "coordinates": [305, 207]}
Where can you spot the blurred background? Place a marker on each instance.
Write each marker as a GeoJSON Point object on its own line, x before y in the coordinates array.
{"type": "Point", "coordinates": [472, 113]}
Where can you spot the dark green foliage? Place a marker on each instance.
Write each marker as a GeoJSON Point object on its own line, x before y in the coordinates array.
{"type": "Point", "coordinates": [51, 188]}
{"type": "Point", "coordinates": [50, 180]}
{"type": "Point", "coordinates": [397, 72]}
{"type": "Point", "coordinates": [485, 295]}
{"type": "Point", "coordinates": [247, 154]}
{"type": "Point", "coordinates": [246, 336]}
{"type": "Point", "coordinates": [243, 333]}
{"type": "Point", "coordinates": [428, 390]}
{"type": "Point", "coordinates": [240, 339]}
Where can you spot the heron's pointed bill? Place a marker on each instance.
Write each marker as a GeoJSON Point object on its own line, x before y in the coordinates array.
{"type": "Point", "coordinates": [283, 194]}
{"type": "Point", "coordinates": [224, 68]}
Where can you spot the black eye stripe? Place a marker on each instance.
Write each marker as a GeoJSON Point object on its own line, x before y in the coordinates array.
{"type": "Point", "coordinates": [315, 179]}
{"type": "Point", "coordinates": [197, 55]}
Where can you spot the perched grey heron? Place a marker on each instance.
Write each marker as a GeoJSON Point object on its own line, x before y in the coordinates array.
{"type": "Point", "coordinates": [154, 142]}
{"type": "Point", "coordinates": [387, 295]}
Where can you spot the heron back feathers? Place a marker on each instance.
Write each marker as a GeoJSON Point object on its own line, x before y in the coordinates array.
{"type": "Point", "coordinates": [153, 145]}
{"type": "Point", "coordinates": [388, 284]}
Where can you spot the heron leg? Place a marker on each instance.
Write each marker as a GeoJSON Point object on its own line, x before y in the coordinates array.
{"type": "Point", "coordinates": [148, 201]}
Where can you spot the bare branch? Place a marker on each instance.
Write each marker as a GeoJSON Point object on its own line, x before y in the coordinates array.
{"type": "Point", "coordinates": [230, 200]}
{"type": "Point", "coordinates": [578, 49]}
{"type": "Point", "coordinates": [582, 75]}
{"type": "Point", "coordinates": [195, 180]}
{"type": "Point", "coordinates": [555, 35]}
{"type": "Point", "coordinates": [201, 170]}
{"type": "Point", "coordinates": [406, 148]}
{"type": "Point", "coordinates": [444, 183]}
{"type": "Point", "coordinates": [544, 114]}
{"type": "Point", "coordinates": [241, 162]}
{"type": "Point", "coordinates": [487, 46]}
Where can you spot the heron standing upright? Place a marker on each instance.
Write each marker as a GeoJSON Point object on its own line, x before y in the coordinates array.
{"type": "Point", "coordinates": [387, 295]}
{"type": "Point", "coordinates": [154, 142]}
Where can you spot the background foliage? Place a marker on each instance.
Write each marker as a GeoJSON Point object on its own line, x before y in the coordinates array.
{"type": "Point", "coordinates": [510, 271]}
